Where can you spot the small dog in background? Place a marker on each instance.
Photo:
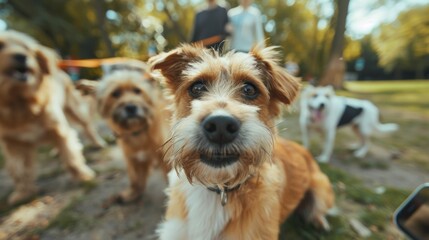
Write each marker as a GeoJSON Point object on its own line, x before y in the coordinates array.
{"type": "Point", "coordinates": [235, 177]}
{"type": "Point", "coordinates": [131, 102]}
{"type": "Point", "coordinates": [323, 110]}
{"type": "Point", "coordinates": [37, 101]}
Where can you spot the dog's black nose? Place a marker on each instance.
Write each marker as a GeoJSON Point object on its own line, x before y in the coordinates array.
{"type": "Point", "coordinates": [221, 129]}
{"type": "Point", "coordinates": [131, 109]}
{"type": "Point", "coordinates": [322, 106]}
{"type": "Point", "coordinates": [19, 58]}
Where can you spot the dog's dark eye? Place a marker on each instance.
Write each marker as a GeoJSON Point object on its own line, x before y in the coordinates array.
{"type": "Point", "coordinates": [116, 93]}
{"type": "Point", "coordinates": [137, 90]}
{"type": "Point", "coordinates": [1, 45]}
{"type": "Point", "coordinates": [249, 91]}
{"type": "Point", "coordinates": [197, 89]}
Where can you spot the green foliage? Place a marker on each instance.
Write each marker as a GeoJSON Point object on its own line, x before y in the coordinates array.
{"type": "Point", "coordinates": [404, 43]}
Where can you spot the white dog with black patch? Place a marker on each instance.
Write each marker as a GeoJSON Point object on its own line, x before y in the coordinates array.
{"type": "Point", "coordinates": [323, 110]}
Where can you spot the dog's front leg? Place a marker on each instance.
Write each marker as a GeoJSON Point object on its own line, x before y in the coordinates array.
{"type": "Point", "coordinates": [70, 149]}
{"type": "Point", "coordinates": [66, 140]}
{"type": "Point", "coordinates": [20, 166]}
{"type": "Point", "coordinates": [328, 145]}
{"type": "Point", "coordinates": [138, 172]}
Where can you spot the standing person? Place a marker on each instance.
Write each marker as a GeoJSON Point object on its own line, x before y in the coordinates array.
{"type": "Point", "coordinates": [210, 26]}
{"type": "Point", "coordinates": [247, 26]}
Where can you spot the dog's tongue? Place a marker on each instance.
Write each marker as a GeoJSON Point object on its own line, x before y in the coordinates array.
{"type": "Point", "coordinates": [316, 115]}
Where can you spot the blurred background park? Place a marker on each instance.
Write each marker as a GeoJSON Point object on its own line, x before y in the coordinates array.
{"type": "Point", "coordinates": [377, 39]}
{"type": "Point", "coordinates": [380, 47]}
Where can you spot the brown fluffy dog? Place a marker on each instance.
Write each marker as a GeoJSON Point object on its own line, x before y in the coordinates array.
{"type": "Point", "coordinates": [35, 100]}
{"type": "Point", "coordinates": [226, 151]}
{"type": "Point", "coordinates": [132, 103]}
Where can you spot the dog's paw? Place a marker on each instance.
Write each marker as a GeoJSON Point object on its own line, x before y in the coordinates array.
{"type": "Point", "coordinates": [353, 146]}
{"type": "Point", "coordinates": [124, 197]}
{"type": "Point", "coordinates": [128, 196]}
{"type": "Point", "coordinates": [21, 196]}
{"type": "Point", "coordinates": [360, 153]}
{"type": "Point", "coordinates": [85, 174]}
{"type": "Point", "coordinates": [322, 159]}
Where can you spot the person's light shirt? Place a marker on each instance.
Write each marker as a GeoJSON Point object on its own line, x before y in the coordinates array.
{"type": "Point", "coordinates": [247, 28]}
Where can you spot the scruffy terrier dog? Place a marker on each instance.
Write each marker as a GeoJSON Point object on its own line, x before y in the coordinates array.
{"type": "Point", "coordinates": [36, 102]}
{"type": "Point", "coordinates": [132, 103]}
{"type": "Point", "coordinates": [235, 177]}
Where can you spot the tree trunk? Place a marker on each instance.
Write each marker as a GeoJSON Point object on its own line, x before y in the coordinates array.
{"type": "Point", "coordinates": [100, 14]}
{"type": "Point", "coordinates": [334, 72]}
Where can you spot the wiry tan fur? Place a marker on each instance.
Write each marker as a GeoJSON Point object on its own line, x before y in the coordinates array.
{"type": "Point", "coordinates": [140, 138]}
{"type": "Point", "coordinates": [274, 176]}
{"type": "Point", "coordinates": [37, 100]}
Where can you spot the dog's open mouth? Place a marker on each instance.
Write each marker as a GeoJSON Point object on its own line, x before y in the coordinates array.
{"type": "Point", "coordinates": [316, 114]}
{"type": "Point", "coordinates": [19, 73]}
{"type": "Point", "coordinates": [219, 160]}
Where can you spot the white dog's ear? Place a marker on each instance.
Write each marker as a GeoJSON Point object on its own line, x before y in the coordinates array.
{"type": "Point", "coordinates": [308, 88]}
{"type": "Point", "coordinates": [330, 88]}
{"type": "Point", "coordinates": [172, 64]}
{"type": "Point", "coordinates": [283, 87]}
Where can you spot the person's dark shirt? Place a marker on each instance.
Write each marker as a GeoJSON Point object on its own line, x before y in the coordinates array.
{"type": "Point", "coordinates": [209, 23]}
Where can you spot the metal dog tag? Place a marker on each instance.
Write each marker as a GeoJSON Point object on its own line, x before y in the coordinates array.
{"type": "Point", "coordinates": [223, 197]}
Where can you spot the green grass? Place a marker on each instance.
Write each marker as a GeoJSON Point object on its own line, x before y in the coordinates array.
{"type": "Point", "coordinates": [371, 209]}
{"type": "Point", "coordinates": [407, 104]}
{"type": "Point", "coordinates": [410, 96]}
{"type": "Point", "coordinates": [403, 102]}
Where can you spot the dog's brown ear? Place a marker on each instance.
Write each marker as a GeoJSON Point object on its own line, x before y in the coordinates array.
{"type": "Point", "coordinates": [43, 62]}
{"type": "Point", "coordinates": [172, 64]}
{"type": "Point", "coordinates": [87, 87]}
{"type": "Point", "coordinates": [282, 86]}
{"type": "Point", "coordinates": [47, 59]}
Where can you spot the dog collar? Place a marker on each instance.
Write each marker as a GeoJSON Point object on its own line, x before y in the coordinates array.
{"type": "Point", "coordinates": [223, 192]}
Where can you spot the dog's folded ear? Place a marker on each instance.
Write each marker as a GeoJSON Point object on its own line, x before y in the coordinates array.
{"type": "Point", "coordinates": [47, 59]}
{"type": "Point", "coordinates": [172, 64]}
{"type": "Point", "coordinates": [43, 62]}
{"type": "Point", "coordinates": [282, 86]}
{"type": "Point", "coordinates": [87, 87]}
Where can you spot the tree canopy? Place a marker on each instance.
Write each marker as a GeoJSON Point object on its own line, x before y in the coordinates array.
{"type": "Point", "coordinates": [138, 28]}
{"type": "Point", "coordinates": [404, 44]}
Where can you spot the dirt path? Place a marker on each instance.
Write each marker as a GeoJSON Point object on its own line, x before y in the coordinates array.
{"type": "Point", "coordinates": [82, 215]}
{"type": "Point", "coordinates": [396, 175]}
